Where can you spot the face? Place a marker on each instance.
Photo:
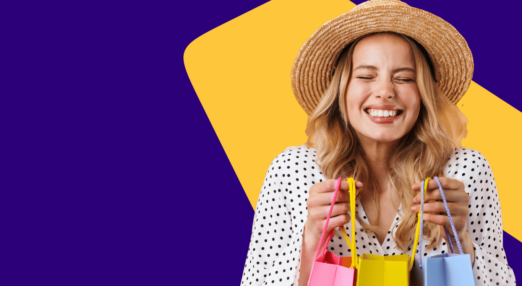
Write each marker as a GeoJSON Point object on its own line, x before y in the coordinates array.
{"type": "Point", "coordinates": [382, 97]}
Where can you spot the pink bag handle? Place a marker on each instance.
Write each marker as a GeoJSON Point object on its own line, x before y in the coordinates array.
{"type": "Point", "coordinates": [337, 186]}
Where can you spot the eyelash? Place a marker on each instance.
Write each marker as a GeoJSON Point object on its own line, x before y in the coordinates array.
{"type": "Point", "coordinates": [404, 80]}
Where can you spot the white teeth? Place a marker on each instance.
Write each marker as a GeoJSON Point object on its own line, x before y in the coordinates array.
{"type": "Point", "coordinates": [382, 113]}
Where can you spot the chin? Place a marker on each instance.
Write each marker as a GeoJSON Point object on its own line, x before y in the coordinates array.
{"type": "Point", "coordinates": [384, 138]}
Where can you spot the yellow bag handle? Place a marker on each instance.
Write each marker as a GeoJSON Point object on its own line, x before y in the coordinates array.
{"type": "Point", "coordinates": [417, 230]}
{"type": "Point", "coordinates": [351, 185]}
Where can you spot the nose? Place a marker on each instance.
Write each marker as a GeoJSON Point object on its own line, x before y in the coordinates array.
{"type": "Point", "coordinates": [384, 90]}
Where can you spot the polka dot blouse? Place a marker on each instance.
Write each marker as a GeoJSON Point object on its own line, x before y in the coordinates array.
{"type": "Point", "coordinates": [274, 254]}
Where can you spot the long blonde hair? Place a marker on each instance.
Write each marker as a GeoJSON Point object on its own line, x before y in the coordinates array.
{"type": "Point", "coordinates": [423, 152]}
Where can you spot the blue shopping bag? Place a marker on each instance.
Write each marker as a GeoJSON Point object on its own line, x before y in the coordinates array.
{"type": "Point", "coordinates": [448, 269]}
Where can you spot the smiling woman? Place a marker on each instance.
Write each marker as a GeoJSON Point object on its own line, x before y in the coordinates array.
{"type": "Point", "coordinates": [384, 72]}
{"type": "Point", "coordinates": [380, 92]}
{"type": "Point", "coordinates": [382, 78]}
{"type": "Point", "coordinates": [376, 73]}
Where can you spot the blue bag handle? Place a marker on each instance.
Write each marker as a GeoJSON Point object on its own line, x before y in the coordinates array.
{"type": "Point", "coordinates": [445, 229]}
{"type": "Point", "coordinates": [451, 222]}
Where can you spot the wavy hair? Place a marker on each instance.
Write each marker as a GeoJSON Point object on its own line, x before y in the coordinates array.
{"type": "Point", "coordinates": [422, 152]}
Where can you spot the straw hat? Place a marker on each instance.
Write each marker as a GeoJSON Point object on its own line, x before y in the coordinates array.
{"type": "Point", "coordinates": [447, 49]}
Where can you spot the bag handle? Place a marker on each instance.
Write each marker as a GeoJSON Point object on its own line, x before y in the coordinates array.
{"type": "Point", "coordinates": [421, 219]}
{"type": "Point", "coordinates": [337, 186]}
{"type": "Point", "coordinates": [418, 229]}
{"type": "Point", "coordinates": [351, 185]}
{"type": "Point", "coordinates": [450, 220]}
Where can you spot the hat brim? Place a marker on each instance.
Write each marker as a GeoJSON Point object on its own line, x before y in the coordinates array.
{"type": "Point", "coordinates": [447, 49]}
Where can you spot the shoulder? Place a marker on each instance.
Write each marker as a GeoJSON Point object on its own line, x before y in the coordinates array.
{"type": "Point", "coordinates": [472, 168]}
{"type": "Point", "coordinates": [304, 150]}
{"type": "Point", "coordinates": [466, 160]}
{"type": "Point", "coordinates": [295, 163]}
{"type": "Point", "coordinates": [294, 156]}
{"type": "Point", "coordinates": [297, 169]}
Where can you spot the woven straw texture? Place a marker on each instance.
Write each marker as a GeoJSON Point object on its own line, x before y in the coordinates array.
{"type": "Point", "coordinates": [448, 51]}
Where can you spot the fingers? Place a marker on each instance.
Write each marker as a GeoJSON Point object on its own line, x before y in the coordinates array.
{"type": "Point", "coordinates": [434, 195]}
{"type": "Point", "coordinates": [445, 183]}
{"type": "Point", "coordinates": [434, 210]}
{"type": "Point", "coordinates": [320, 213]}
{"type": "Point", "coordinates": [453, 191]}
{"type": "Point", "coordinates": [436, 219]}
{"type": "Point", "coordinates": [329, 186]}
{"type": "Point", "coordinates": [334, 222]}
{"type": "Point", "coordinates": [337, 221]}
{"type": "Point", "coordinates": [438, 207]}
{"type": "Point", "coordinates": [325, 199]}
{"type": "Point", "coordinates": [443, 220]}
{"type": "Point", "coordinates": [322, 193]}
{"type": "Point", "coordinates": [319, 203]}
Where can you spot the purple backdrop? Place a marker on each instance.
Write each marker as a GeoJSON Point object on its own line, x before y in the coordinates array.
{"type": "Point", "coordinates": [104, 182]}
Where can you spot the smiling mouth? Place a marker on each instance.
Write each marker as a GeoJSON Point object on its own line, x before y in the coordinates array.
{"type": "Point", "coordinates": [380, 113]}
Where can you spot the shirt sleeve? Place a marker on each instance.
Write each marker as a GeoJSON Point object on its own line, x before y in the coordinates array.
{"type": "Point", "coordinates": [275, 244]}
{"type": "Point", "coordinates": [485, 219]}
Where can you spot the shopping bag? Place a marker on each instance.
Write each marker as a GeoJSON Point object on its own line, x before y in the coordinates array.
{"type": "Point", "coordinates": [392, 270]}
{"type": "Point", "coordinates": [329, 269]}
{"type": "Point", "coordinates": [448, 269]}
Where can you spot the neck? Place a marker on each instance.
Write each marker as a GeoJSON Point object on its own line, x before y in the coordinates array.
{"type": "Point", "coordinates": [377, 156]}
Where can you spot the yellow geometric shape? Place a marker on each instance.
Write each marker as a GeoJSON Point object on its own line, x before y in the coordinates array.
{"type": "Point", "coordinates": [492, 130]}
{"type": "Point", "coordinates": [241, 74]}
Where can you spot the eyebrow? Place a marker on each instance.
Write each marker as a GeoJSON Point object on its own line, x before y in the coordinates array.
{"type": "Point", "coordinates": [405, 69]}
{"type": "Point", "coordinates": [365, 67]}
{"type": "Point", "coordinates": [374, 69]}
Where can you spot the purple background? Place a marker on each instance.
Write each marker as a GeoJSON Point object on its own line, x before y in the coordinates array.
{"type": "Point", "coordinates": [112, 173]}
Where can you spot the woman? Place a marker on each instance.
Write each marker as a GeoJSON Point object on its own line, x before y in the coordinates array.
{"type": "Point", "coordinates": [380, 84]}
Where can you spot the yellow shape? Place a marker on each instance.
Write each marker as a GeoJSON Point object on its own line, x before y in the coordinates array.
{"type": "Point", "coordinates": [389, 270]}
{"type": "Point", "coordinates": [493, 131]}
{"type": "Point", "coordinates": [241, 73]}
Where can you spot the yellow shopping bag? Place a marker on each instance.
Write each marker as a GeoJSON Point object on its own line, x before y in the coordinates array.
{"type": "Point", "coordinates": [393, 270]}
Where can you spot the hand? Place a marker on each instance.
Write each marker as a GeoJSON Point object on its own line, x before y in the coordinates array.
{"type": "Point", "coordinates": [435, 212]}
{"type": "Point", "coordinates": [318, 203]}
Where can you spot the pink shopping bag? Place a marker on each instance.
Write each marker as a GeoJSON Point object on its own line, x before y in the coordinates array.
{"type": "Point", "coordinates": [329, 269]}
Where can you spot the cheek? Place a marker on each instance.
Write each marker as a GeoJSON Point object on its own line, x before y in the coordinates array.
{"type": "Point", "coordinates": [411, 96]}
{"type": "Point", "coordinates": [355, 97]}
{"type": "Point", "coordinates": [416, 106]}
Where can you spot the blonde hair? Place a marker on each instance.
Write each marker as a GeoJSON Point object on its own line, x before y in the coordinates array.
{"type": "Point", "coordinates": [423, 152]}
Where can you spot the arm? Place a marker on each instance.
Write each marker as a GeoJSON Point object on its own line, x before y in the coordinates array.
{"type": "Point", "coordinates": [309, 248]}
{"type": "Point", "coordinates": [275, 244]}
{"type": "Point", "coordinates": [472, 197]}
{"type": "Point", "coordinates": [286, 203]}
{"type": "Point", "coordinates": [485, 225]}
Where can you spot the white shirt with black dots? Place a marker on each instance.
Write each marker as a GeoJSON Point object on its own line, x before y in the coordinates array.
{"type": "Point", "coordinates": [274, 253]}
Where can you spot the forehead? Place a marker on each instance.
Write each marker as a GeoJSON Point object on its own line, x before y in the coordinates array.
{"type": "Point", "coordinates": [383, 49]}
